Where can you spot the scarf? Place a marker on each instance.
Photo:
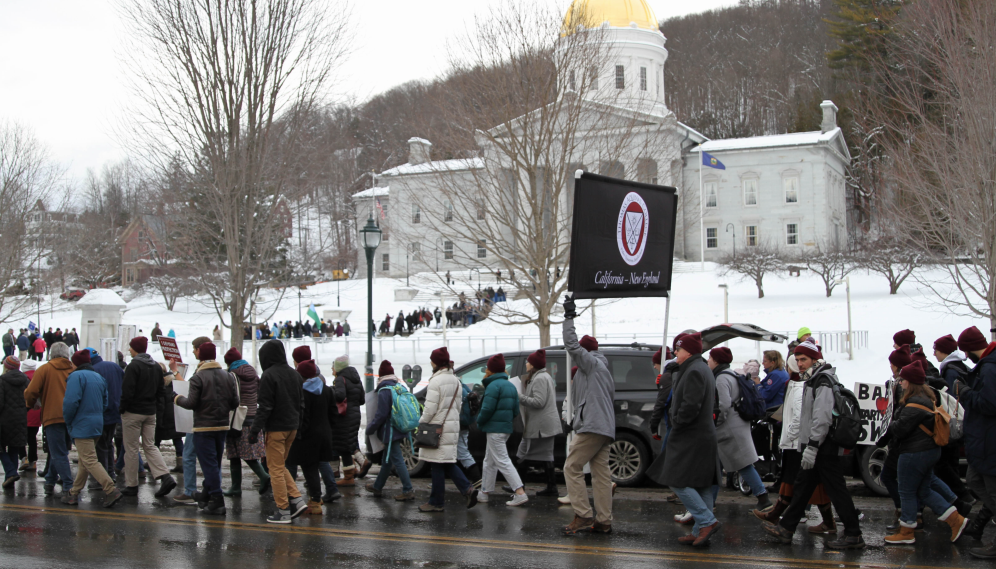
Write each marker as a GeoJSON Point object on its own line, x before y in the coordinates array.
{"type": "Point", "coordinates": [237, 364]}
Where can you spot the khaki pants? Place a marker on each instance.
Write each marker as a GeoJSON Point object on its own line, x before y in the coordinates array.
{"type": "Point", "coordinates": [89, 465]}
{"type": "Point", "coordinates": [133, 428]}
{"type": "Point", "coordinates": [22, 355]}
{"type": "Point", "coordinates": [588, 448]}
{"type": "Point", "coordinates": [278, 446]}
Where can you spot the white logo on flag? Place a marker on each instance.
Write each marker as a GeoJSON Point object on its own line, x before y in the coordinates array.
{"type": "Point", "coordinates": [632, 228]}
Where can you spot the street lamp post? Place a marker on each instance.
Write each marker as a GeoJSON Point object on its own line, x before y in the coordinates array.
{"type": "Point", "coordinates": [338, 286]}
{"type": "Point", "coordinates": [407, 271]}
{"type": "Point", "coordinates": [726, 307]}
{"type": "Point", "coordinates": [850, 332]}
{"type": "Point", "coordinates": [370, 236]}
{"type": "Point", "coordinates": [299, 319]}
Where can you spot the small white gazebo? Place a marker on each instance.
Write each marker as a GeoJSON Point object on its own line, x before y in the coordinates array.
{"type": "Point", "coordinates": [101, 316]}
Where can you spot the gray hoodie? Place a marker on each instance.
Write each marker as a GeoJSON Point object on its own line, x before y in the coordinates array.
{"type": "Point", "coordinates": [594, 391]}
{"type": "Point", "coordinates": [817, 408]}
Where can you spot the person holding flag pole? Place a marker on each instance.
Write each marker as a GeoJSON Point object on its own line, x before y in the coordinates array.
{"type": "Point", "coordinates": [712, 162]}
{"type": "Point", "coordinates": [313, 314]}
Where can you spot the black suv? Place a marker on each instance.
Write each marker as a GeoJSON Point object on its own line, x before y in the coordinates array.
{"type": "Point", "coordinates": [636, 391]}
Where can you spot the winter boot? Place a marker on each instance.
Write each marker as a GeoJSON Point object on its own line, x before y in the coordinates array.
{"type": "Point", "coordinates": [315, 507]}
{"type": "Point", "coordinates": [763, 502]}
{"type": "Point", "coordinates": [775, 513]}
{"type": "Point", "coordinates": [236, 469]}
{"type": "Point", "coordinates": [551, 481]}
{"type": "Point", "coordinates": [955, 521]}
{"type": "Point", "coordinates": [216, 505]}
{"type": "Point", "coordinates": [348, 476]}
{"type": "Point", "coordinates": [984, 552]}
{"type": "Point", "coordinates": [828, 525]}
{"type": "Point", "coordinates": [978, 525]}
{"type": "Point", "coordinates": [904, 537]}
{"type": "Point", "coordinates": [264, 477]}
{"type": "Point", "coordinates": [894, 526]}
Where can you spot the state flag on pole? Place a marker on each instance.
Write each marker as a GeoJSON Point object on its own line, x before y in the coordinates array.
{"type": "Point", "coordinates": [712, 162]}
{"type": "Point", "coordinates": [313, 314]}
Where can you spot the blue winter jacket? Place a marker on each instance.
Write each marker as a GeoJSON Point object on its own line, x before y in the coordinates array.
{"type": "Point", "coordinates": [980, 415]}
{"type": "Point", "coordinates": [381, 423]}
{"type": "Point", "coordinates": [23, 343]}
{"type": "Point", "coordinates": [113, 375]}
{"type": "Point", "coordinates": [772, 387]}
{"type": "Point", "coordinates": [500, 405]}
{"type": "Point", "coordinates": [84, 403]}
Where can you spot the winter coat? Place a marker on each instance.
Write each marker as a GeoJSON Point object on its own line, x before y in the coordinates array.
{"type": "Point", "coordinates": [907, 436]}
{"type": "Point", "coordinates": [314, 442]}
{"type": "Point", "coordinates": [8, 340]}
{"type": "Point", "coordinates": [34, 414]}
{"type": "Point", "coordinates": [980, 414]}
{"type": "Point", "coordinates": [248, 385]}
{"type": "Point", "coordinates": [736, 447]}
{"type": "Point", "coordinates": [691, 457]}
{"type": "Point", "coordinates": [113, 376]}
{"type": "Point", "coordinates": [72, 340]}
{"type": "Point", "coordinates": [40, 346]}
{"type": "Point", "coordinates": [22, 343]}
{"type": "Point", "coordinates": [49, 385]}
{"type": "Point", "coordinates": [772, 387]}
{"type": "Point", "coordinates": [154, 336]}
{"type": "Point", "coordinates": [816, 412]}
{"type": "Point", "coordinates": [216, 334]}
{"type": "Point", "coordinates": [13, 414]}
{"type": "Point", "coordinates": [665, 382]}
{"type": "Point", "coordinates": [280, 400]}
{"type": "Point", "coordinates": [439, 394]}
{"type": "Point", "coordinates": [142, 386]}
{"type": "Point", "coordinates": [791, 408]}
{"type": "Point", "coordinates": [381, 423]}
{"type": "Point", "coordinates": [593, 390]}
{"type": "Point", "coordinates": [212, 395]}
{"type": "Point", "coordinates": [84, 404]}
{"type": "Point", "coordinates": [166, 415]}
{"type": "Point", "coordinates": [348, 386]}
{"type": "Point", "coordinates": [538, 404]}
{"type": "Point", "coordinates": [500, 405]}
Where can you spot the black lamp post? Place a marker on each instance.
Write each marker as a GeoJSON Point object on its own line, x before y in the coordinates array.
{"type": "Point", "coordinates": [370, 236]}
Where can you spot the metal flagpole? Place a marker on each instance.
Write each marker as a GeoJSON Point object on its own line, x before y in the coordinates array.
{"type": "Point", "coordinates": [701, 213]}
{"type": "Point", "coordinates": [667, 314]}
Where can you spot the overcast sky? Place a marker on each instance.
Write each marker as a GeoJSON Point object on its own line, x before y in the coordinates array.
{"type": "Point", "coordinates": [62, 78]}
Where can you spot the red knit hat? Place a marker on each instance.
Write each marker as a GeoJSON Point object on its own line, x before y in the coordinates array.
{"type": "Point", "coordinates": [972, 340]}
{"type": "Point", "coordinates": [668, 354]}
{"type": "Point", "coordinates": [81, 357]}
{"type": "Point", "coordinates": [440, 357]}
{"type": "Point", "coordinates": [808, 349]}
{"type": "Point", "coordinates": [946, 344]}
{"type": "Point", "coordinates": [207, 352]}
{"type": "Point", "coordinates": [657, 357]}
{"type": "Point", "coordinates": [537, 359]}
{"type": "Point", "coordinates": [496, 363]}
{"type": "Point", "coordinates": [232, 356]}
{"type": "Point", "coordinates": [913, 373]}
{"type": "Point", "coordinates": [901, 357]}
{"type": "Point", "coordinates": [589, 343]}
{"type": "Point", "coordinates": [721, 355]}
{"type": "Point", "coordinates": [903, 337]}
{"type": "Point", "coordinates": [674, 344]}
{"type": "Point", "coordinates": [691, 343]}
{"type": "Point", "coordinates": [385, 369]}
{"type": "Point", "coordinates": [139, 344]}
{"type": "Point", "coordinates": [301, 354]}
{"type": "Point", "coordinates": [307, 368]}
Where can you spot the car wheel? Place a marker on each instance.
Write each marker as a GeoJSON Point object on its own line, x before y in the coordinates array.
{"type": "Point", "coordinates": [415, 466]}
{"type": "Point", "coordinates": [628, 459]}
{"type": "Point", "coordinates": [872, 462]}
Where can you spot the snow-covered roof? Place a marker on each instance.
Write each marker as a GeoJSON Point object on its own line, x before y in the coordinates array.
{"type": "Point", "coordinates": [692, 131]}
{"type": "Point", "coordinates": [435, 166]}
{"type": "Point", "coordinates": [772, 141]}
{"type": "Point", "coordinates": [417, 139]}
{"type": "Point", "coordinates": [102, 297]}
{"type": "Point", "coordinates": [373, 192]}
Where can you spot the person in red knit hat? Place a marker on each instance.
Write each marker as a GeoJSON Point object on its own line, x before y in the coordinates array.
{"type": "Point", "coordinates": [951, 368]}
{"type": "Point", "coordinates": [541, 422]}
{"type": "Point", "coordinates": [237, 446]}
{"type": "Point", "coordinates": [389, 388]}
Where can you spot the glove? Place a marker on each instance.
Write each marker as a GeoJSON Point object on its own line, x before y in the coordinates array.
{"type": "Point", "coordinates": [656, 437]}
{"type": "Point", "coordinates": [960, 387]}
{"type": "Point", "coordinates": [809, 458]}
{"type": "Point", "coordinates": [253, 437]}
{"type": "Point", "coordinates": [570, 310]}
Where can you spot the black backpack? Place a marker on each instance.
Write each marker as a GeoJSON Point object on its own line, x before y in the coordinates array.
{"type": "Point", "coordinates": [845, 425]}
{"type": "Point", "coordinates": [750, 405]}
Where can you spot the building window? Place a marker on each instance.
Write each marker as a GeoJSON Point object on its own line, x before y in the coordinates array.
{"type": "Point", "coordinates": [385, 234]}
{"type": "Point", "coordinates": [791, 186]}
{"type": "Point", "coordinates": [447, 249]}
{"type": "Point", "coordinates": [571, 81]}
{"type": "Point", "coordinates": [385, 262]}
{"type": "Point", "coordinates": [480, 213]}
{"type": "Point", "coordinates": [383, 208]}
{"type": "Point", "coordinates": [482, 250]}
{"type": "Point", "coordinates": [712, 237]}
{"type": "Point", "coordinates": [792, 234]}
{"type": "Point", "coordinates": [750, 235]}
{"type": "Point", "coordinates": [448, 211]}
{"type": "Point", "coordinates": [415, 248]}
{"type": "Point", "coordinates": [416, 214]}
{"type": "Point", "coordinates": [594, 78]}
{"type": "Point", "coordinates": [643, 78]}
{"type": "Point", "coordinates": [711, 192]}
{"type": "Point", "coordinates": [141, 235]}
{"type": "Point", "coordinates": [620, 77]}
{"type": "Point", "coordinates": [750, 191]}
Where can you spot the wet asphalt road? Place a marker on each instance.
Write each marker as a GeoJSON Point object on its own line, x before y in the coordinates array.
{"type": "Point", "coordinates": [362, 531]}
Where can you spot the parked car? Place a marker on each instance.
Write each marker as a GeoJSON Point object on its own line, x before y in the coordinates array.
{"type": "Point", "coordinates": [73, 294]}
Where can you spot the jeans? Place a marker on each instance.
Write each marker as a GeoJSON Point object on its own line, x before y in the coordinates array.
{"type": "Point", "coordinates": [189, 467]}
{"type": "Point", "coordinates": [105, 448]}
{"type": "Point", "coordinates": [210, 447]}
{"type": "Point", "coordinates": [325, 470]}
{"type": "Point", "coordinates": [984, 486]}
{"type": "Point", "coordinates": [830, 472]}
{"type": "Point", "coordinates": [890, 479]}
{"type": "Point", "coordinates": [440, 471]}
{"type": "Point", "coordinates": [463, 450]}
{"type": "Point", "coordinates": [58, 455]}
{"type": "Point", "coordinates": [396, 460]}
{"type": "Point", "coordinates": [753, 479]}
{"type": "Point", "coordinates": [915, 477]}
{"type": "Point", "coordinates": [8, 457]}
{"type": "Point", "coordinates": [699, 502]}
{"type": "Point", "coordinates": [496, 460]}
{"type": "Point", "coordinates": [942, 489]}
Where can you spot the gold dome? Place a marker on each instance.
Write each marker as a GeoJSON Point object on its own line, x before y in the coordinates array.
{"type": "Point", "coordinates": [618, 14]}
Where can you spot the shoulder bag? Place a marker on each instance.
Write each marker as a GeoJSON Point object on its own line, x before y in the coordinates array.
{"type": "Point", "coordinates": [428, 434]}
{"type": "Point", "coordinates": [237, 417]}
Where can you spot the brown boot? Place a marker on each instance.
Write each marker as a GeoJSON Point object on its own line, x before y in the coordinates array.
{"type": "Point", "coordinates": [579, 525]}
{"type": "Point", "coordinates": [348, 477]}
{"type": "Point", "coordinates": [828, 525]}
{"type": "Point", "coordinates": [956, 521]}
{"type": "Point", "coordinates": [904, 537]}
{"type": "Point", "coordinates": [775, 513]}
{"type": "Point", "coordinates": [315, 507]}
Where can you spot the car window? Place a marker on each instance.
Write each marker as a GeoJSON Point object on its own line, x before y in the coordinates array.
{"type": "Point", "coordinates": [474, 374]}
{"type": "Point", "coordinates": [633, 373]}
{"type": "Point", "coordinates": [556, 367]}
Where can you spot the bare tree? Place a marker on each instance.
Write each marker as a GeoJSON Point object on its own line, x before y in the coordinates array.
{"type": "Point", "coordinates": [752, 263]}
{"type": "Point", "coordinates": [831, 263]}
{"type": "Point", "coordinates": [892, 258]}
{"type": "Point", "coordinates": [938, 106]}
{"type": "Point", "coordinates": [214, 77]}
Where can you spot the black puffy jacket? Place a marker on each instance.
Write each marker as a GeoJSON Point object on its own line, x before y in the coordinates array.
{"type": "Point", "coordinates": [280, 402]}
{"type": "Point", "coordinates": [349, 387]}
{"type": "Point", "coordinates": [906, 429]}
{"type": "Point", "coordinates": [13, 413]}
{"type": "Point", "coordinates": [314, 440]}
{"type": "Point", "coordinates": [142, 386]}
{"type": "Point", "coordinates": [211, 397]}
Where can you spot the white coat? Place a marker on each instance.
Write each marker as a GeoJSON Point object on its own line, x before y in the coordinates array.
{"type": "Point", "coordinates": [443, 387]}
{"type": "Point", "coordinates": [791, 409]}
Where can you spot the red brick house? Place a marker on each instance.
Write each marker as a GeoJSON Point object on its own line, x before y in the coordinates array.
{"type": "Point", "coordinates": [143, 253]}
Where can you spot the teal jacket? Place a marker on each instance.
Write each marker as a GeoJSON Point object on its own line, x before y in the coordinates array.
{"type": "Point", "coordinates": [499, 406]}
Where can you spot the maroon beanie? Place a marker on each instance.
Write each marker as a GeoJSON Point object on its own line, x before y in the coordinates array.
{"type": "Point", "coordinates": [674, 344]}
{"type": "Point", "coordinates": [307, 368]}
{"type": "Point", "coordinates": [946, 344]}
{"type": "Point", "coordinates": [440, 357]}
{"type": "Point", "coordinates": [537, 359]}
{"type": "Point", "coordinates": [691, 343]}
{"type": "Point", "coordinates": [657, 357]}
{"type": "Point", "coordinates": [904, 337]}
{"type": "Point", "coordinates": [669, 354]}
{"type": "Point", "coordinates": [139, 344]}
{"type": "Point", "coordinates": [79, 358]}
{"type": "Point", "coordinates": [589, 343]}
{"type": "Point", "coordinates": [385, 369]}
{"type": "Point", "coordinates": [207, 352]}
{"type": "Point", "coordinates": [496, 363]}
{"type": "Point", "coordinates": [913, 373]}
{"type": "Point", "coordinates": [809, 349]}
{"type": "Point", "coordinates": [301, 354]}
{"type": "Point", "coordinates": [721, 355]}
{"type": "Point", "coordinates": [231, 356]}
{"type": "Point", "coordinates": [901, 357]}
{"type": "Point", "coordinates": [972, 340]}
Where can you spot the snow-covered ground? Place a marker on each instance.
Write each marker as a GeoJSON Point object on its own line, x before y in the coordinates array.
{"type": "Point", "coordinates": [789, 303]}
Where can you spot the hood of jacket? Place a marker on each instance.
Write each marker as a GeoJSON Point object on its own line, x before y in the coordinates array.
{"type": "Point", "coordinates": [237, 364]}
{"type": "Point", "coordinates": [955, 356]}
{"type": "Point", "coordinates": [95, 359]}
{"type": "Point", "coordinates": [494, 377]}
{"type": "Point", "coordinates": [272, 353]}
{"type": "Point", "coordinates": [144, 359]}
{"type": "Point", "coordinates": [349, 373]}
{"type": "Point", "coordinates": [16, 378]}
{"type": "Point", "coordinates": [61, 364]}
{"type": "Point", "coordinates": [314, 385]}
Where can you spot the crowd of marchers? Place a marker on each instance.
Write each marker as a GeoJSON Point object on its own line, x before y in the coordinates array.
{"type": "Point", "coordinates": [292, 418]}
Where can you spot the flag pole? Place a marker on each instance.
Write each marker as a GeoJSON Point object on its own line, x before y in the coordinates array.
{"type": "Point", "coordinates": [701, 212]}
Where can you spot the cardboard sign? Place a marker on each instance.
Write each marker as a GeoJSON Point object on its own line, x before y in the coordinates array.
{"type": "Point", "coordinates": [184, 418]}
{"type": "Point", "coordinates": [875, 411]}
{"type": "Point", "coordinates": [622, 238]}
{"type": "Point", "coordinates": [170, 350]}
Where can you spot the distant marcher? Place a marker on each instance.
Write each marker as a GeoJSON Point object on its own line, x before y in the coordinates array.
{"type": "Point", "coordinates": [30, 462]}
{"type": "Point", "coordinates": [49, 386]}
{"type": "Point", "coordinates": [73, 340]}
{"type": "Point", "coordinates": [23, 345]}
{"type": "Point", "coordinates": [9, 343]}
{"type": "Point", "coordinates": [141, 388]}
{"type": "Point", "coordinates": [186, 496]}
{"type": "Point", "coordinates": [41, 347]}
{"type": "Point", "coordinates": [156, 332]}
{"type": "Point", "coordinates": [216, 333]}
{"type": "Point", "coordinates": [13, 418]}
{"type": "Point", "coordinates": [540, 420]}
